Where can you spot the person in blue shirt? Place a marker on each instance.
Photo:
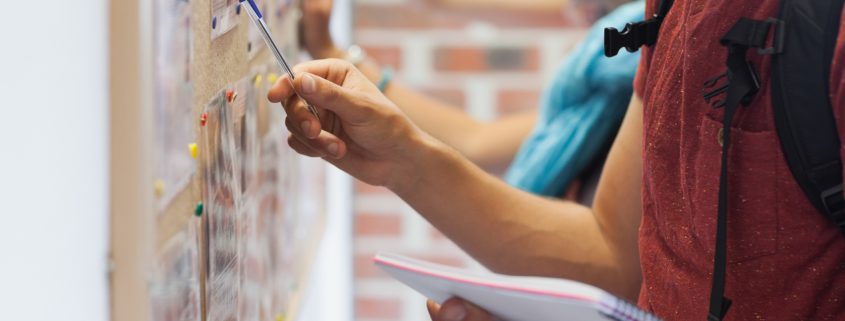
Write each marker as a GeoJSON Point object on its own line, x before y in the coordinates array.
{"type": "Point", "coordinates": [556, 150]}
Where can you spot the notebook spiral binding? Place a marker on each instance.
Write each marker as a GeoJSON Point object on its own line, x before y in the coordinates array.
{"type": "Point", "coordinates": [624, 311]}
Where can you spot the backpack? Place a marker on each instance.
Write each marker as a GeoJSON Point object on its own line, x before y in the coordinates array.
{"type": "Point", "coordinates": [801, 41]}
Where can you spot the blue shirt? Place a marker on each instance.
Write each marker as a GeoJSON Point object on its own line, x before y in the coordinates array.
{"type": "Point", "coordinates": [580, 112]}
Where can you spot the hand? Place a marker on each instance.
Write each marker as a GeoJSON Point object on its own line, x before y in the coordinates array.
{"type": "Point", "coordinates": [456, 309]}
{"type": "Point", "coordinates": [362, 132]}
{"type": "Point", "coordinates": [316, 37]}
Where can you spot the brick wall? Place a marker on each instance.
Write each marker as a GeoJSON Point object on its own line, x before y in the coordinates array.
{"type": "Point", "coordinates": [489, 61]}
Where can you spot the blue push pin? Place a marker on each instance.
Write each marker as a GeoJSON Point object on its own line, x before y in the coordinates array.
{"type": "Point", "coordinates": [214, 23]}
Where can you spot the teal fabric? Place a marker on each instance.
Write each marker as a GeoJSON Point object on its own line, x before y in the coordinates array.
{"type": "Point", "coordinates": [580, 112]}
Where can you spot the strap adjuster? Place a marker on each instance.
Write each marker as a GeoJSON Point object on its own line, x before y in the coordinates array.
{"type": "Point", "coordinates": [779, 28]}
{"type": "Point", "coordinates": [834, 204]}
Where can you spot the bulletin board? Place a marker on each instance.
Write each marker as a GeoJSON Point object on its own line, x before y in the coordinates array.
{"type": "Point", "coordinates": [234, 216]}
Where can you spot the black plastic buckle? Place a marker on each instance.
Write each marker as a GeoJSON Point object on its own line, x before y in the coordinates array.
{"type": "Point", "coordinates": [632, 37]}
{"type": "Point", "coordinates": [834, 204]}
{"type": "Point", "coordinates": [755, 84]}
{"type": "Point", "coordinates": [779, 28]}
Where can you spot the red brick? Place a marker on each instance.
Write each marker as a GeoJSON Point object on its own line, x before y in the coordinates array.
{"type": "Point", "coordinates": [385, 55]}
{"type": "Point", "coordinates": [454, 97]}
{"type": "Point", "coordinates": [479, 59]}
{"type": "Point", "coordinates": [364, 267]}
{"type": "Point", "coordinates": [402, 16]}
{"type": "Point", "coordinates": [378, 225]}
{"type": "Point", "coordinates": [371, 308]}
{"type": "Point", "coordinates": [512, 101]}
{"type": "Point", "coordinates": [421, 16]}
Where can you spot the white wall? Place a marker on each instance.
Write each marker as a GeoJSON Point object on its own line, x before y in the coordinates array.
{"type": "Point", "coordinates": [54, 161]}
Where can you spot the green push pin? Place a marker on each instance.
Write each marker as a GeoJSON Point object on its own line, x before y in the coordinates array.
{"type": "Point", "coordinates": [198, 209]}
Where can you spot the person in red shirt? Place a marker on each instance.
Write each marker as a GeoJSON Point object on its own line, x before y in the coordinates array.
{"type": "Point", "coordinates": [649, 234]}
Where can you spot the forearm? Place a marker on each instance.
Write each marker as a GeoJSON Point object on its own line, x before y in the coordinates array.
{"type": "Point", "coordinates": [508, 230]}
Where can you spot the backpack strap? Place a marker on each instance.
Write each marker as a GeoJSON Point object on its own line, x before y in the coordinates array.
{"type": "Point", "coordinates": [802, 43]}
{"type": "Point", "coordinates": [743, 84]}
{"type": "Point", "coordinates": [636, 34]}
{"type": "Point", "coordinates": [801, 103]}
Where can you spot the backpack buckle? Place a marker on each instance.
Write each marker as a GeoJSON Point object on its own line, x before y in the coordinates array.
{"type": "Point", "coordinates": [778, 27]}
{"type": "Point", "coordinates": [632, 37]}
{"type": "Point", "coordinates": [834, 204]}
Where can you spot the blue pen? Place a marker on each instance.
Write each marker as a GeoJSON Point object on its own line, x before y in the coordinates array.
{"type": "Point", "coordinates": [258, 20]}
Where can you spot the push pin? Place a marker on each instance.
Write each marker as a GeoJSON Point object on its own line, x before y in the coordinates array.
{"type": "Point", "coordinates": [280, 317]}
{"type": "Point", "coordinates": [258, 80]}
{"type": "Point", "coordinates": [159, 188]}
{"type": "Point", "coordinates": [198, 209]}
{"type": "Point", "coordinates": [203, 119]}
{"type": "Point", "coordinates": [230, 95]}
{"type": "Point", "coordinates": [271, 78]}
{"type": "Point", "coordinates": [193, 148]}
{"type": "Point", "coordinates": [214, 23]}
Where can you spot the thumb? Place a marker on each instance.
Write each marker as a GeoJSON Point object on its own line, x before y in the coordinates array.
{"type": "Point", "coordinates": [456, 309]}
{"type": "Point", "coordinates": [328, 95]}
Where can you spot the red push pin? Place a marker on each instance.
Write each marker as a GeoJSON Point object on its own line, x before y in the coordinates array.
{"type": "Point", "coordinates": [230, 95]}
{"type": "Point", "coordinates": [203, 119]}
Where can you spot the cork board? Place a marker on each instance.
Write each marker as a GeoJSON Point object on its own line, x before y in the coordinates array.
{"type": "Point", "coordinates": [247, 252]}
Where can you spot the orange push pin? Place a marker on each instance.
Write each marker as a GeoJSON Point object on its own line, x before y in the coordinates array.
{"type": "Point", "coordinates": [203, 119]}
{"type": "Point", "coordinates": [192, 147]}
{"type": "Point", "coordinates": [230, 95]}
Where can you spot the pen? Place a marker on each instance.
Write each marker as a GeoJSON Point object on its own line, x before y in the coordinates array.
{"type": "Point", "coordinates": [258, 20]}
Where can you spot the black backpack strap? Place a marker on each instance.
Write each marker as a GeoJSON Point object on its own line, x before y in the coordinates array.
{"type": "Point", "coordinates": [802, 43]}
{"type": "Point", "coordinates": [743, 84]}
{"type": "Point", "coordinates": [636, 34]}
{"type": "Point", "coordinates": [800, 100]}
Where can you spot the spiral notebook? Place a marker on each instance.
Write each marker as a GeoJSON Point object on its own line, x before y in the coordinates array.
{"type": "Point", "coordinates": [512, 298]}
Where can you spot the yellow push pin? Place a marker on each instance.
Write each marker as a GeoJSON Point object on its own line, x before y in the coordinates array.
{"type": "Point", "coordinates": [159, 188]}
{"type": "Point", "coordinates": [193, 148]}
{"type": "Point", "coordinates": [280, 317]}
{"type": "Point", "coordinates": [258, 80]}
{"type": "Point", "coordinates": [271, 78]}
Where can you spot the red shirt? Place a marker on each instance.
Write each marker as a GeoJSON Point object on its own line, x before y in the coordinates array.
{"type": "Point", "coordinates": [786, 261]}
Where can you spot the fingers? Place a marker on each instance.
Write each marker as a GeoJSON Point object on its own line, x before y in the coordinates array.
{"type": "Point", "coordinates": [325, 94]}
{"type": "Point", "coordinates": [456, 309]}
{"type": "Point", "coordinates": [281, 90]}
{"type": "Point", "coordinates": [306, 123]}
{"type": "Point", "coordinates": [321, 83]}
{"type": "Point", "coordinates": [432, 308]}
{"type": "Point", "coordinates": [324, 145]}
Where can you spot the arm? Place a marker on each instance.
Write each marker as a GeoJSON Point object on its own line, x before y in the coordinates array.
{"type": "Point", "coordinates": [507, 230]}
{"type": "Point", "coordinates": [542, 236]}
{"type": "Point", "coordinates": [490, 145]}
